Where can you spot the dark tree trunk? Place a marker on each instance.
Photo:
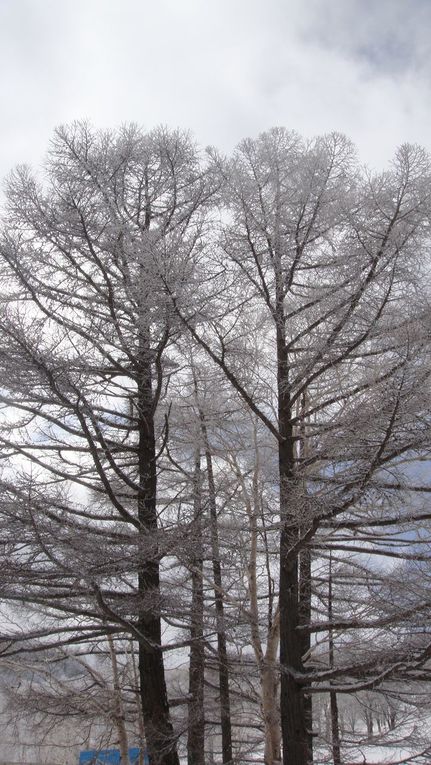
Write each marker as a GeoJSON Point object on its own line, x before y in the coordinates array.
{"type": "Point", "coordinates": [293, 715]}
{"type": "Point", "coordinates": [369, 723]}
{"type": "Point", "coordinates": [161, 743]}
{"type": "Point", "coordinates": [305, 615]}
{"type": "Point", "coordinates": [305, 578]}
{"type": "Point", "coordinates": [196, 727]}
{"type": "Point", "coordinates": [295, 736]}
{"type": "Point", "coordinates": [226, 728]}
{"type": "Point", "coordinates": [335, 727]}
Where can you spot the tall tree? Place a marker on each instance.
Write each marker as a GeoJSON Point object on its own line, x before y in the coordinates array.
{"type": "Point", "coordinates": [85, 331]}
{"type": "Point", "coordinates": [303, 279]}
{"type": "Point", "coordinates": [325, 264]}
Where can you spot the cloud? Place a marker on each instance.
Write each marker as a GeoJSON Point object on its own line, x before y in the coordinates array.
{"type": "Point", "coordinates": [390, 35]}
{"type": "Point", "coordinates": [225, 69]}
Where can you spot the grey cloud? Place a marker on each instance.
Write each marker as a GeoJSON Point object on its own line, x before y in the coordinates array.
{"type": "Point", "coordinates": [388, 35]}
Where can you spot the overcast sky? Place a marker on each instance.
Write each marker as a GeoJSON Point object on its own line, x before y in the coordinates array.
{"type": "Point", "coordinates": [223, 68]}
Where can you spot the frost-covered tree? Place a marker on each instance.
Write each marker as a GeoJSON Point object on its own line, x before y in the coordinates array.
{"type": "Point", "coordinates": [215, 380]}
{"type": "Point", "coordinates": [86, 330]}
{"type": "Point", "coordinates": [318, 315]}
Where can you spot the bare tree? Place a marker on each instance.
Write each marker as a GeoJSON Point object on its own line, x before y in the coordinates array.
{"type": "Point", "coordinates": [59, 695]}
{"type": "Point", "coordinates": [301, 281]}
{"type": "Point", "coordinates": [86, 329]}
{"type": "Point", "coordinates": [326, 264]}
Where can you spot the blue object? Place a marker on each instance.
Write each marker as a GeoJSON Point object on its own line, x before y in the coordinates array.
{"type": "Point", "coordinates": [109, 757]}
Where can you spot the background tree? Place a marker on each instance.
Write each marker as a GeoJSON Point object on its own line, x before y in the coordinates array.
{"type": "Point", "coordinates": [70, 699]}
{"type": "Point", "coordinates": [327, 265]}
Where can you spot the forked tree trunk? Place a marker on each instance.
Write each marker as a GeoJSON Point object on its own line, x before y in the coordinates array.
{"type": "Point", "coordinates": [223, 667]}
{"type": "Point", "coordinates": [269, 682]}
{"type": "Point", "coordinates": [266, 659]}
{"type": "Point", "coordinates": [196, 721]}
{"type": "Point", "coordinates": [161, 743]}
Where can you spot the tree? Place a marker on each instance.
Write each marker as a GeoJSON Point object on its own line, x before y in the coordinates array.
{"type": "Point", "coordinates": [285, 293]}
{"type": "Point", "coordinates": [327, 265]}
{"type": "Point", "coordinates": [63, 695]}
{"type": "Point", "coordinates": [86, 329]}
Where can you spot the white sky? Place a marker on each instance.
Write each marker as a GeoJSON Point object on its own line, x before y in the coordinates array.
{"type": "Point", "coordinates": [223, 68]}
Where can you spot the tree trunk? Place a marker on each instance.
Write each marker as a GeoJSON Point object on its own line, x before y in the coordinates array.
{"type": "Point", "coordinates": [226, 729]}
{"type": "Point", "coordinates": [266, 660]}
{"type": "Point", "coordinates": [369, 723]}
{"type": "Point", "coordinates": [196, 726]}
{"type": "Point", "coordinates": [305, 615]}
{"type": "Point", "coordinates": [295, 736]}
{"type": "Point", "coordinates": [335, 728]}
{"type": "Point", "coordinates": [141, 729]}
{"type": "Point", "coordinates": [293, 717]}
{"type": "Point", "coordinates": [269, 681]}
{"type": "Point", "coordinates": [118, 705]}
{"type": "Point", "coordinates": [161, 744]}
{"type": "Point", "coordinates": [305, 576]}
